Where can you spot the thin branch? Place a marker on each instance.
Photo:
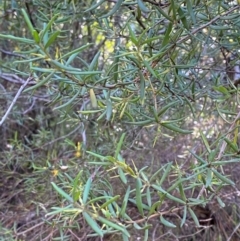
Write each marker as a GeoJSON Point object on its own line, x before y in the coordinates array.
{"type": "Point", "coordinates": [14, 100]}
{"type": "Point", "coordinates": [159, 4]}
{"type": "Point", "coordinates": [63, 137]}
{"type": "Point", "coordinates": [12, 54]}
{"type": "Point", "coordinates": [234, 231]}
{"type": "Point", "coordinates": [15, 79]}
{"type": "Point", "coordinates": [206, 25]}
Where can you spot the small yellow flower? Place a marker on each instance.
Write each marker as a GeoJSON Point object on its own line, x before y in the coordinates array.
{"type": "Point", "coordinates": [78, 150]}
{"type": "Point", "coordinates": [55, 172]}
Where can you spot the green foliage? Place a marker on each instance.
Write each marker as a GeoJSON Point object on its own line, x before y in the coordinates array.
{"type": "Point", "coordinates": [104, 70]}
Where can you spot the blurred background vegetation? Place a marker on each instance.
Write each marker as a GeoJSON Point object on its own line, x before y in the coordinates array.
{"type": "Point", "coordinates": [119, 120]}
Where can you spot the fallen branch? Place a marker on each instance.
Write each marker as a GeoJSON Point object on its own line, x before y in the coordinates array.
{"type": "Point", "coordinates": [15, 99]}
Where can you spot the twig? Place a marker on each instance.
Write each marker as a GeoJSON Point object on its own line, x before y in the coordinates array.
{"type": "Point", "coordinates": [224, 145]}
{"type": "Point", "coordinates": [15, 99]}
{"type": "Point", "coordinates": [207, 24]}
{"type": "Point", "coordinates": [63, 137]}
{"type": "Point", "coordinates": [234, 231]}
{"type": "Point", "coordinates": [30, 108]}
{"type": "Point", "coordinates": [12, 54]}
{"type": "Point", "coordinates": [196, 30]}
{"type": "Point", "coordinates": [15, 79]}
{"type": "Point", "coordinates": [33, 227]}
{"type": "Point", "coordinates": [76, 237]}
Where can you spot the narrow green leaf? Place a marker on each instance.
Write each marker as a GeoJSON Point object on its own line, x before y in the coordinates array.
{"type": "Point", "coordinates": [36, 36]}
{"type": "Point", "coordinates": [61, 192]}
{"type": "Point", "coordinates": [194, 217]}
{"type": "Point", "coordinates": [113, 225]}
{"type": "Point", "coordinates": [40, 83]}
{"type": "Point", "coordinates": [146, 226]}
{"type": "Point", "coordinates": [93, 200]}
{"type": "Point", "coordinates": [149, 68]}
{"type": "Point", "coordinates": [94, 6]}
{"type": "Point", "coordinates": [202, 16]}
{"type": "Point", "coordinates": [225, 162]}
{"type": "Point", "coordinates": [183, 18]}
{"type": "Point", "coordinates": [124, 203]}
{"type": "Point", "coordinates": [231, 144]}
{"type": "Point", "coordinates": [222, 90]}
{"type": "Point", "coordinates": [124, 237]}
{"type": "Point", "coordinates": [166, 39]}
{"type": "Point", "coordinates": [111, 210]}
{"type": "Point", "coordinates": [167, 223]}
{"type": "Point", "coordinates": [195, 201]}
{"type": "Point", "coordinates": [132, 35]}
{"type": "Point", "coordinates": [87, 112]}
{"type": "Point", "coordinates": [108, 202]}
{"type": "Point", "coordinates": [142, 87]}
{"type": "Point", "coordinates": [175, 199]}
{"type": "Point", "coordinates": [28, 21]}
{"type": "Point", "coordinates": [68, 102]}
{"type": "Point", "coordinates": [212, 155]}
{"type": "Point", "coordinates": [52, 39]}
{"type": "Point", "coordinates": [176, 184]}
{"type": "Point", "coordinates": [139, 196]}
{"type": "Point", "coordinates": [119, 145]}
{"type": "Point", "coordinates": [181, 191]}
{"type": "Point", "coordinates": [198, 158]}
{"type": "Point", "coordinates": [115, 69]}
{"type": "Point", "coordinates": [175, 128]}
{"type": "Point", "coordinates": [94, 63]}
{"type": "Point", "coordinates": [223, 178]}
{"type": "Point", "coordinates": [86, 190]}
{"type": "Point", "coordinates": [205, 141]}
{"type": "Point", "coordinates": [220, 27]}
{"type": "Point", "coordinates": [93, 224]}
{"type": "Point", "coordinates": [221, 203]}
{"type": "Point", "coordinates": [71, 58]}
{"type": "Point", "coordinates": [48, 26]}
{"type": "Point", "coordinates": [231, 16]}
{"type": "Point", "coordinates": [154, 207]}
{"type": "Point", "coordinates": [209, 178]}
{"type": "Point", "coordinates": [164, 14]}
{"type": "Point", "coordinates": [43, 70]}
{"type": "Point", "coordinates": [190, 11]}
{"type": "Point", "coordinates": [97, 155]}
{"type": "Point", "coordinates": [142, 36]}
{"type": "Point", "coordinates": [142, 6]}
{"type": "Point", "coordinates": [116, 7]}
{"type": "Point", "coordinates": [165, 173]}
{"type": "Point", "coordinates": [78, 50]}
{"type": "Point", "coordinates": [158, 171]}
{"type": "Point", "coordinates": [76, 191]}
{"type": "Point", "coordinates": [22, 40]}
{"type": "Point", "coordinates": [146, 234]}
{"type": "Point", "coordinates": [71, 69]}
{"type": "Point", "coordinates": [173, 8]}
{"type": "Point", "coordinates": [184, 216]}
{"type": "Point", "coordinates": [145, 207]}
{"type": "Point", "coordinates": [144, 176]}
{"type": "Point", "coordinates": [165, 108]}
{"type": "Point", "coordinates": [60, 210]}
{"type": "Point", "coordinates": [122, 175]}
{"type": "Point", "coordinates": [149, 40]}
{"type": "Point", "coordinates": [149, 199]}
{"type": "Point", "coordinates": [24, 61]}
{"type": "Point", "coordinates": [140, 123]}
{"type": "Point", "coordinates": [168, 195]}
